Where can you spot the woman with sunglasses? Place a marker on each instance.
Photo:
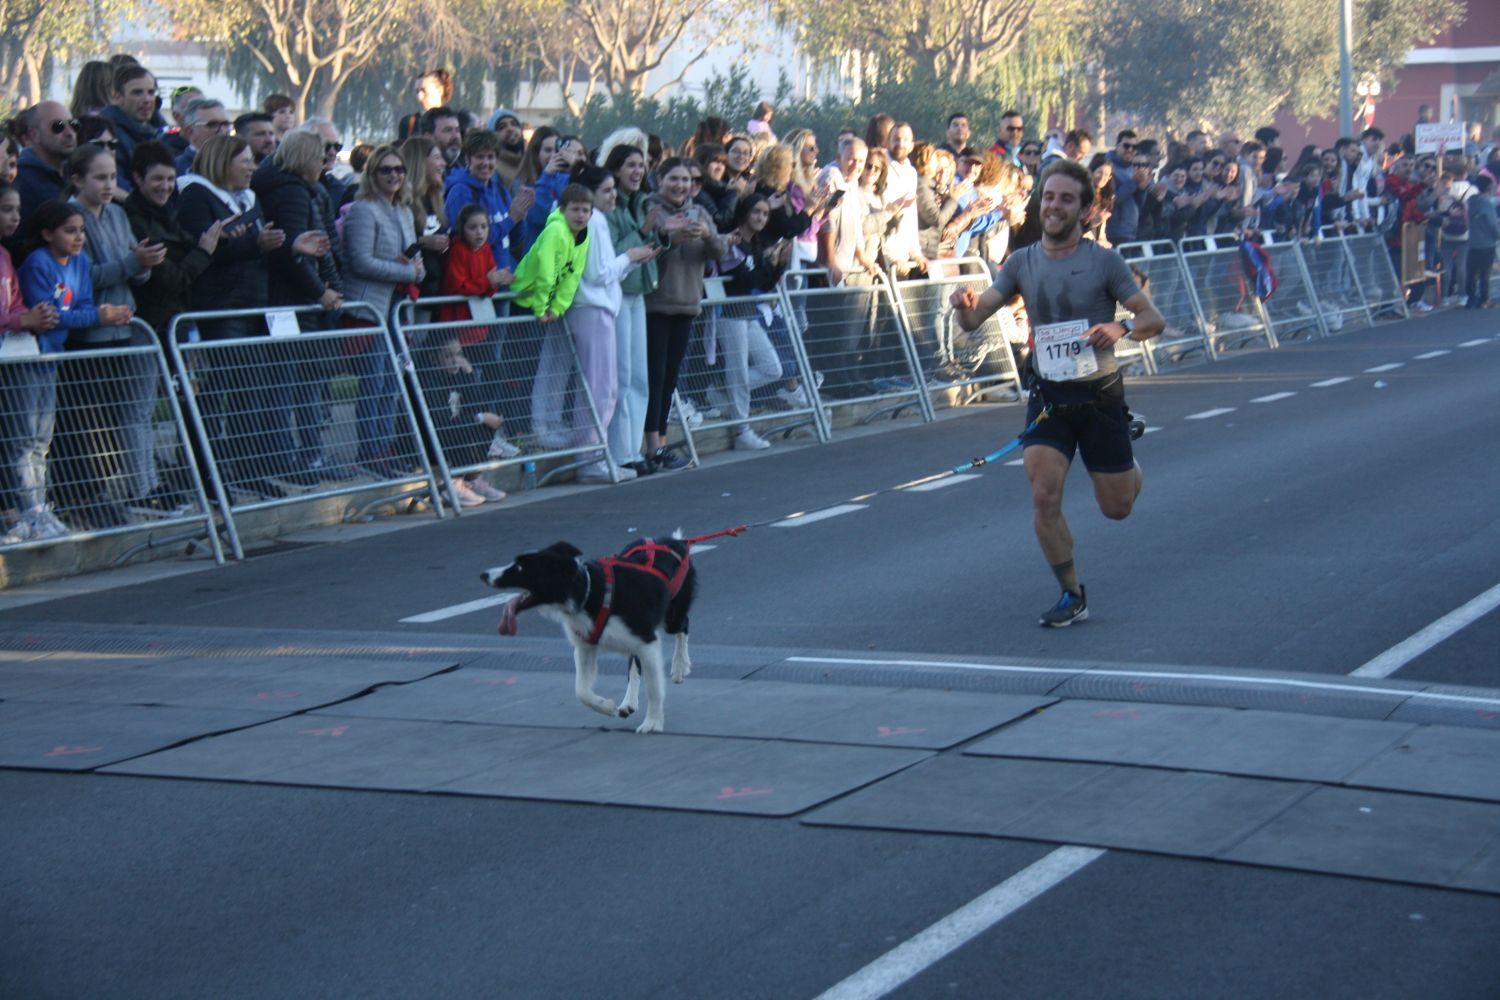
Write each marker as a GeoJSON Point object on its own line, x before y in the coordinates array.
{"type": "Point", "coordinates": [378, 233]}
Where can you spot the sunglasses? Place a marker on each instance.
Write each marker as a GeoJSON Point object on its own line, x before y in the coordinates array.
{"type": "Point", "coordinates": [1127, 145]}
{"type": "Point", "coordinates": [1015, 128]}
{"type": "Point", "coordinates": [63, 124]}
{"type": "Point", "coordinates": [332, 148]}
{"type": "Point", "coordinates": [109, 144]}
{"type": "Point", "coordinates": [392, 171]}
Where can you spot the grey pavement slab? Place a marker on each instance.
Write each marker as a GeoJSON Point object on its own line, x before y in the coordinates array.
{"type": "Point", "coordinates": [1452, 705]}
{"type": "Point", "coordinates": [752, 709]}
{"type": "Point", "coordinates": [1438, 760]}
{"type": "Point", "coordinates": [347, 752]}
{"type": "Point", "coordinates": [274, 685]}
{"type": "Point", "coordinates": [690, 772]}
{"type": "Point", "coordinates": [1408, 838]}
{"type": "Point", "coordinates": [81, 737]}
{"type": "Point", "coordinates": [1190, 738]}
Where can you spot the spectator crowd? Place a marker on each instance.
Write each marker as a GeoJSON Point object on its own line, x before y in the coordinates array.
{"type": "Point", "coordinates": [127, 204]}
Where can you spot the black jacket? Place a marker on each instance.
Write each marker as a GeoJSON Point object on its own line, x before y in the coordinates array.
{"type": "Point", "coordinates": [169, 290]}
{"type": "Point", "coordinates": [237, 279]}
{"type": "Point", "coordinates": [289, 203]}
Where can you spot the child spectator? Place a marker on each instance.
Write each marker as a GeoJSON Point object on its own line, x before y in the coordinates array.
{"type": "Point", "coordinates": [546, 281]}
{"type": "Point", "coordinates": [471, 272]}
{"type": "Point", "coordinates": [463, 426]}
{"type": "Point", "coordinates": [1483, 235]}
{"type": "Point", "coordinates": [55, 273]}
{"type": "Point", "coordinates": [475, 183]}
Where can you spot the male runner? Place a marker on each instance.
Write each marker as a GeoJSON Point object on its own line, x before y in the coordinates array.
{"type": "Point", "coordinates": [1071, 287]}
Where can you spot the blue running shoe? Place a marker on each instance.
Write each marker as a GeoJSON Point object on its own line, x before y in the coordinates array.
{"type": "Point", "coordinates": [1069, 608]}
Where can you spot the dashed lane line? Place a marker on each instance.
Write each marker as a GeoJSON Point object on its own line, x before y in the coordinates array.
{"type": "Point", "coordinates": [1386, 368]}
{"type": "Point", "coordinates": [1338, 380]}
{"type": "Point", "coordinates": [917, 954]}
{"type": "Point", "coordinates": [935, 484]}
{"type": "Point", "coordinates": [1404, 652]}
{"type": "Point", "coordinates": [1431, 354]}
{"type": "Point", "coordinates": [1206, 414]}
{"type": "Point", "coordinates": [466, 608]}
{"type": "Point", "coordinates": [1273, 397]}
{"type": "Point", "coordinates": [798, 520]}
{"type": "Point", "coordinates": [1475, 343]}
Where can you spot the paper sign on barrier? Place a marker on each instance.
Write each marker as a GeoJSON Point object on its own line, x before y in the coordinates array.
{"type": "Point", "coordinates": [282, 323]}
{"type": "Point", "coordinates": [482, 309]}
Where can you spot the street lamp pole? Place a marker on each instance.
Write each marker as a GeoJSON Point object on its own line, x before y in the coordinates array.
{"type": "Point", "coordinates": [1346, 68]}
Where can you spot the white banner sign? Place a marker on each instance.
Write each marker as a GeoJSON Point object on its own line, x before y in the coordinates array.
{"type": "Point", "coordinates": [1437, 137]}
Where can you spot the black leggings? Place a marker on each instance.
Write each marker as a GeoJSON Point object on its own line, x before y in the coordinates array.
{"type": "Point", "coordinates": [666, 345]}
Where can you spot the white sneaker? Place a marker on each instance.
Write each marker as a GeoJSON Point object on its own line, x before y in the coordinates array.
{"type": "Point", "coordinates": [747, 440]}
{"type": "Point", "coordinates": [24, 531]}
{"type": "Point", "coordinates": [481, 486]}
{"type": "Point", "coordinates": [595, 472]}
{"type": "Point", "coordinates": [465, 496]}
{"type": "Point", "coordinates": [1419, 307]}
{"type": "Point", "coordinates": [47, 522]}
{"type": "Point", "coordinates": [683, 410]}
{"type": "Point", "coordinates": [501, 447]}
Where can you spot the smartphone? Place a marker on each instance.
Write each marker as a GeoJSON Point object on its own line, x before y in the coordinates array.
{"type": "Point", "coordinates": [410, 253]}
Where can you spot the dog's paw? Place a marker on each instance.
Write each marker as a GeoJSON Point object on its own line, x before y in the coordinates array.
{"type": "Point", "coordinates": [625, 711]}
{"type": "Point", "coordinates": [650, 726]}
{"type": "Point", "coordinates": [680, 672]}
{"type": "Point", "coordinates": [604, 706]}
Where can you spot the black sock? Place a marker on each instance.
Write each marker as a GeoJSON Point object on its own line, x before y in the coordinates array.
{"type": "Point", "coordinates": [1067, 576]}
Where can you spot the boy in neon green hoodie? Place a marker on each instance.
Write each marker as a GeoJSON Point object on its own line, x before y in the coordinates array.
{"type": "Point", "coordinates": [547, 277]}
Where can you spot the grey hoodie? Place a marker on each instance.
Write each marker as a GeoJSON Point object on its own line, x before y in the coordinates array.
{"type": "Point", "coordinates": [109, 244]}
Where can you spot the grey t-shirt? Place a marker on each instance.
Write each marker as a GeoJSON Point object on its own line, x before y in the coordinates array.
{"type": "Point", "coordinates": [1085, 285]}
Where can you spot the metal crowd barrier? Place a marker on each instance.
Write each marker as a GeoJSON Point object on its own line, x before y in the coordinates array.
{"type": "Point", "coordinates": [469, 370]}
{"type": "Point", "coordinates": [977, 362]}
{"type": "Point", "coordinates": [287, 409]}
{"type": "Point", "coordinates": [1293, 311]}
{"type": "Point", "coordinates": [746, 368]}
{"type": "Point", "coordinates": [1336, 285]}
{"type": "Point", "coordinates": [1371, 260]}
{"type": "Point", "coordinates": [854, 338]}
{"type": "Point", "coordinates": [95, 445]}
{"type": "Point", "coordinates": [1231, 311]}
{"type": "Point", "coordinates": [1164, 276]}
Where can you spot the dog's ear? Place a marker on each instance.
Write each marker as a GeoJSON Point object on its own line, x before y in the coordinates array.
{"type": "Point", "coordinates": [564, 549]}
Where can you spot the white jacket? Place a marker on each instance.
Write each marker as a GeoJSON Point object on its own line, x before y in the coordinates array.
{"type": "Point", "coordinates": [603, 269]}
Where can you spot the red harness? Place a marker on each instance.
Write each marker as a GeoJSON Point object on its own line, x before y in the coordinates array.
{"type": "Point", "coordinates": [623, 561]}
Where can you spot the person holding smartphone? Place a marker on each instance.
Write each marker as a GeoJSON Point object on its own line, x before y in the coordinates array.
{"type": "Point", "coordinates": [549, 159]}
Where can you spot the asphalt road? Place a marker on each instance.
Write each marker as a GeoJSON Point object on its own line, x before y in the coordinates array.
{"type": "Point", "coordinates": [1307, 532]}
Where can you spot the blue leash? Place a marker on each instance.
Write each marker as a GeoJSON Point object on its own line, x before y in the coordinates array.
{"type": "Point", "coordinates": [1000, 453]}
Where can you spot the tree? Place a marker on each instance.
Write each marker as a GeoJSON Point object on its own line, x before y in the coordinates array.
{"type": "Point", "coordinates": [35, 33]}
{"type": "Point", "coordinates": [1252, 58]}
{"type": "Point", "coordinates": [947, 41]}
{"type": "Point", "coordinates": [309, 49]}
{"type": "Point", "coordinates": [615, 46]}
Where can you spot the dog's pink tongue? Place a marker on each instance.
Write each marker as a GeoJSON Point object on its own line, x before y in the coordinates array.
{"type": "Point", "coordinates": [508, 617]}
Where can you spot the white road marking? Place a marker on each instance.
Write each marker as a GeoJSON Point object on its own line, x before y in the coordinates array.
{"type": "Point", "coordinates": [1332, 381]}
{"type": "Point", "coordinates": [1273, 397]}
{"type": "Point", "coordinates": [1016, 461]}
{"type": "Point", "coordinates": [1249, 681]}
{"type": "Point", "coordinates": [468, 607]}
{"type": "Point", "coordinates": [1210, 413]}
{"type": "Point", "coordinates": [1431, 354]}
{"type": "Point", "coordinates": [1404, 652]}
{"type": "Point", "coordinates": [703, 547]}
{"type": "Point", "coordinates": [1474, 343]}
{"type": "Point", "coordinates": [1152, 430]}
{"type": "Point", "coordinates": [919, 953]}
{"type": "Point", "coordinates": [938, 484]}
{"type": "Point", "coordinates": [798, 520]}
{"type": "Point", "coordinates": [1386, 368]}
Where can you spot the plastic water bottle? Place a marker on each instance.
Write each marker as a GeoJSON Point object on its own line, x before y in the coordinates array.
{"type": "Point", "coordinates": [528, 475]}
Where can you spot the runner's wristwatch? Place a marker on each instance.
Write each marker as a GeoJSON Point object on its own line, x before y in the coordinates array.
{"type": "Point", "coordinates": [1129, 325]}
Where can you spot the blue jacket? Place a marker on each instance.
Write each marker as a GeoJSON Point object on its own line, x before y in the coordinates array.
{"type": "Point", "coordinates": [37, 183]}
{"type": "Point", "coordinates": [462, 189]}
{"type": "Point", "coordinates": [129, 133]}
{"type": "Point", "coordinates": [185, 159]}
{"type": "Point", "coordinates": [67, 287]}
{"type": "Point", "coordinates": [1124, 220]}
{"type": "Point", "coordinates": [548, 188]}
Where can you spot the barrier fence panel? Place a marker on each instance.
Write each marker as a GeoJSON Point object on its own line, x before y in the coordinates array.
{"type": "Point", "coordinates": [855, 340]}
{"type": "Point", "coordinates": [1293, 310]}
{"type": "Point", "coordinates": [745, 369]}
{"type": "Point", "coordinates": [493, 390]}
{"type": "Point", "coordinates": [978, 361]}
{"type": "Point", "coordinates": [1371, 260]}
{"type": "Point", "coordinates": [285, 410]}
{"type": "Point", "coordinates": [95, 444]}
{"type": "Point", "coordinates": [1336, 285]}
{"type": "Point", "coordinates": [1231, 311]}
{"type": "Point", "coordinates": [1164, 277]}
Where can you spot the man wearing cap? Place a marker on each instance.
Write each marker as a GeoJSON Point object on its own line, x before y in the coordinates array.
{"type": "Point", "coordinates": [507, 126]}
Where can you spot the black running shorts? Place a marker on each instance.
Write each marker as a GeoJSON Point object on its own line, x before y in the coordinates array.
{"type": "Point", "coordinates": [1099, 431]}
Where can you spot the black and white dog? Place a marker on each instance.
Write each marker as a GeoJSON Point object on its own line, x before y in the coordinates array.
{"type": "Point", "coordinates": [620, 603]}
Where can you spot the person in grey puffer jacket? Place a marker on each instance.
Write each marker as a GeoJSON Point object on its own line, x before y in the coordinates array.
{"type": "Point", "coordinates": [104, 406]}
{"type": "Point", "coordinates": [378, 231]}
{"type": "Point", "coordinates": [687, 231]}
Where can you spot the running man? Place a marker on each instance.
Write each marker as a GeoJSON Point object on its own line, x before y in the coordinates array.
{"type": "Point", "coordinates": [1071, 287]}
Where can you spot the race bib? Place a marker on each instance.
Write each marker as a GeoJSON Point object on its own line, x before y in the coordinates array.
{"type": "Point", "coordinates": [1061, 354]}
